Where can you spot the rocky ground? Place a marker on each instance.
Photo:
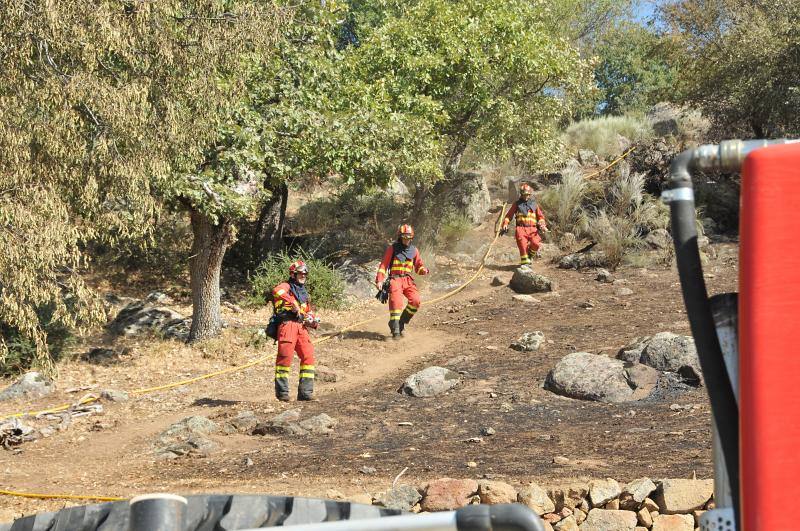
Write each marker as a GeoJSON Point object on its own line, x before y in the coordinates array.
{"type": "Point", "coordinates": [497, 422]}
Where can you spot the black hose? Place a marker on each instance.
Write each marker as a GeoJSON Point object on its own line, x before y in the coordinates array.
{"type": "Point", "coordinates": [503, 517]}
{"type": "Point", "coordinates": [698, 310]}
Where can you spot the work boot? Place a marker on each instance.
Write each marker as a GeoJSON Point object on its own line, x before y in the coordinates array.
{"type": "Point", "coordinates": [394, 328]}
{"type": "Point", "coordinates": [305, 390]}
{"type": "Point", "coordinates": [405, 317]}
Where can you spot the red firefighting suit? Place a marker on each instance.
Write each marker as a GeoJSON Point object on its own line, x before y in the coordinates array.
{"type": "Point", "coordinates": [292, 305]}
{"type": "Point", "coordinates": [529, 218]}
{"type": "Point", "coordinates": [399, 262]}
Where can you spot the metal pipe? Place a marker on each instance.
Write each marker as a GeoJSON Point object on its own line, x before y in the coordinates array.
{"type": "Point", "coordinates": [158, 512]}
{"type": "Point", "coordinates": [445, 521]}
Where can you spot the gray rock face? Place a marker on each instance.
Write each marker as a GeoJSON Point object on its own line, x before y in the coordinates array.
{"type": "Point", "coordinates": [591, 377]}
{"type": "Point", "coordinates": [189, 436]}
{"type": "Point", "coordinates": [529, 341]}
{"type": "Point", "coordinates": [430, 382]}
{"type": "Point", "coordinates": [402, 497]}
{"type": "Point", "coordinates": [639, 489]}
{"type": "Point", "coordinates": [526, 281]}
{"type": "Point", "coordinates": [583, 260]}
{"type": "Point", "coordinates": [359, 279]}
{"type": "Point", "coordinates": [664, 118]}
{"type": "Point", "coordinates": [633, 353]}
{"type": "Point", "coordinates": [467, 193]}
{"type": "Point", "coordinates": [141, 316]}
{"type": "Point", "coordinates": [321, 424]}
{"type": "Point", "coordinates": [31, 384]}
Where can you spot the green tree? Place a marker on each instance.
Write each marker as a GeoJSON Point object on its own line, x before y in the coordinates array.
{"type": "Point", "coordinates": [490, 74]}
{"type": "Point", "coordinates": [106, 109]}
{"type": "Point", "coordinates": [740, 62]}
{"type": "Point", "coordinates": [634, 70]}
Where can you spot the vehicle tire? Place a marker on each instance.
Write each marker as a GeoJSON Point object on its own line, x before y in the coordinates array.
{"type": "Point", "coordinates": [215, 512]}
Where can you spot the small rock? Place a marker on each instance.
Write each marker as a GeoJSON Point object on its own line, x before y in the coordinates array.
{"type": "Point", "coordinates": [248, 461]}
{"type": "Point", "coordinates": [321, 424]}
{"type": "Point", "coordinates": [447, 494]}
{"type": "Point", "coordinates": [367, 470]}
{"type": "Point", "coordinates": [561, 460]}
{"type": "Point", "coordinates": [567, 524]}
{"type": "Point", "coordinates": [113, 395]}
{"type": "Point", "coordinates": [402, 497]}
{"type": "Point", "coordinates": [432, 381]}
{"type": "Point", "coordinates": [472, 464]}
{"type": "Point", "coordinates": [487, 431]}
{"type": "Point", "coordinates": [529, 341]}
{"type": "Point", "coordinates": [603, 275]}
{"type": "Point", "coordinates": [326, 374]}
{"type": "Point", "coordinates": [526, 281]}
{"type": "Point", "coordinates": [605, 520]}
{"type": "Point", "coordinates": [683, 495]}
{"type": "Point", "coordinates": [623, 292]}
{"type": "Point", "coordinates": [530, 299]}
{"type": "Point", "coordinates": [494, 492]}
{"type": "Point", "coordinates": [497, 281]}
{"type": "Point", "coordinates": [535, 497]}
{"type": "Point", "coordinates": [673, 522]}
{"type": "Point", "coordinates": [644, 518]}
{"type": "Point", "coordinates": [603, 491]}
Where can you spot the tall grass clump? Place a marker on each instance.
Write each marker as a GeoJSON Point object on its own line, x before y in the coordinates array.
{"type": "Point", "coordinates": [563, 203]}
{"type": "Point", "coordinates": [325, 285]}
{"type": "Point", "coordinates": [619, 227]}
{"type": "Point", "coordinates": [600, 134]}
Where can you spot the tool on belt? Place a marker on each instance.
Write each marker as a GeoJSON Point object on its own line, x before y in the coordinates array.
{"type": "Point", "coordinates": [383, 293]}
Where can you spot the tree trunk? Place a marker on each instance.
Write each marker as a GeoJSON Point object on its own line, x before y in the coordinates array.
{"type": "Point", "coordinates": [454, 159]}
{"type": "Point", "coordinates": [268, 235]}
{"type": "Point", "coordinates": [208, 248]}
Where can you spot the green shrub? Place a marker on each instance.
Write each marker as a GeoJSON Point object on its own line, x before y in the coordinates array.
{"type": "Point", "coordinates": [563, 204]}
{"type": "Point", "coordinates": [325, 285]}
{"type": "Point", "coordinates": [600, 134]}
{"type": "Point", "coordinates": [18, 353]}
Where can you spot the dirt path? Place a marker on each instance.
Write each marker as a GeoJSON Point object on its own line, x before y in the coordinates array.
{"type": "Point", "coordinates": [111, 454]}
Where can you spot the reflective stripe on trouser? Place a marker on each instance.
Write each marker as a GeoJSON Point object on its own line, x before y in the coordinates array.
{"type": "Point", "coordinates": [282, 381]}
{"type": "Point", "coordinates": [305, 390]}
{"type": "Point", "coordinates": [528, 242]}
{"type": "Point", "coordinates": [293, 337]}
{"type": "Point", "coordinates": [401, 289]}
{"type": "Point", "coordinates": [406, 316]}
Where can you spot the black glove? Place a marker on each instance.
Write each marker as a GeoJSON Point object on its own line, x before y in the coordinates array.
{"type": "Point", "coordinates": [503, 231]}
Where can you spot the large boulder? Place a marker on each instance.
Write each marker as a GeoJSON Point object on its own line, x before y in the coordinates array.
{"type": "Point", "coordinates": [143, 316]}
{"type": "Point", "coordinates": [671, 352]}
{"type": "Point", "coordinates": [31, 384]}
{"type": "Point", "coordinates": [467, 194]}
{"type": "Point", "coordinates": [430, 382]}
{"type": "Point", "coordinates": [589, 376]}
{"type": "Point", "coordinates": [359, 279]}
{"type": "Point", "coordinates": [525, 280]}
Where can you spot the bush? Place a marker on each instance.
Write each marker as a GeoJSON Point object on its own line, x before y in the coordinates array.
{"type": "Point", "coordinates": [325, 285]}
{"type": "Point", "coordinates": [19, 354]}
{"type": "Point", "coordinates": [600, 134]}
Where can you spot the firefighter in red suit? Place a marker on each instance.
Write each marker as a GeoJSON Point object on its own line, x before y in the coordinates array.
{"type": "Point", "coordinates": [530, 223]}
{"type": "Point", "coordinates": [399, 261]}
{"type": "Point", "coordinates": [293, 308]}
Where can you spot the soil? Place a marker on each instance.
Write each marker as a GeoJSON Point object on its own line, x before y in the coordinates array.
{"type": "Point", "coordinates": [111, 453]}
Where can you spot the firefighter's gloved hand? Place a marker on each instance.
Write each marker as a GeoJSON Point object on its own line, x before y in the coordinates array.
{"type": "Point", "coordinates": [504, 231]}
{"type": "Point", "coordinates": [311, 322]}
{"type": "Point", "coordinates": [424, 271]}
